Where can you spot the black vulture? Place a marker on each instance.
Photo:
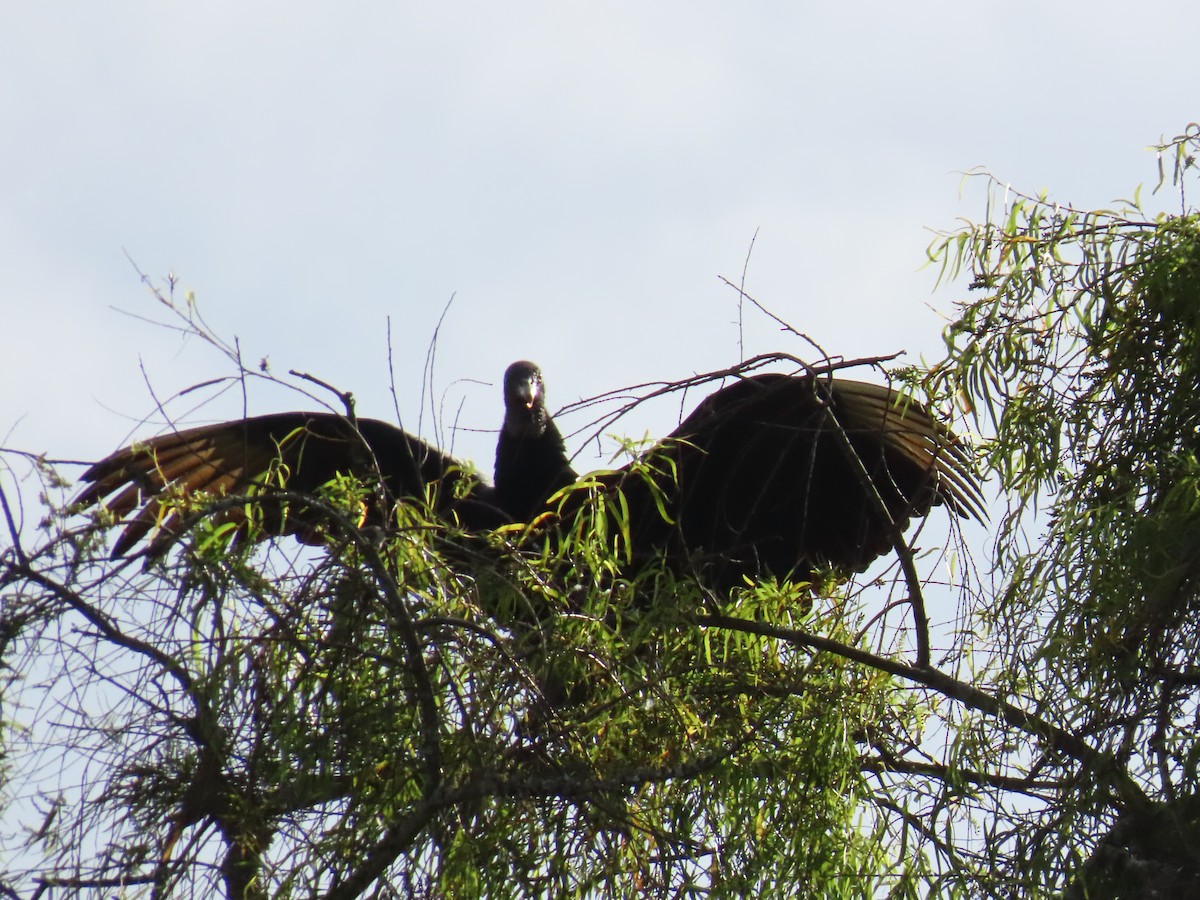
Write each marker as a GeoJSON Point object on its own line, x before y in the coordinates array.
{"type": "Point", "coordinates": [773, 474]}
{"type": "Point", "coordinates": [531, 458]}
{"type": "Point", "coordinates": [298, 450]}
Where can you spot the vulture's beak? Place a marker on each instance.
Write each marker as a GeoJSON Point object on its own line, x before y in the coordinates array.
{"type": "Point", "coordinates": [528, 392]}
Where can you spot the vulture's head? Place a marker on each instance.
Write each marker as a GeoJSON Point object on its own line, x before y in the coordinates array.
{"type": "Point", "coordinates": [525, 413]}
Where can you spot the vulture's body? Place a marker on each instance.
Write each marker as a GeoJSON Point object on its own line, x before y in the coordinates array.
{"type": "Point", "coordinates": [778, 474]}
{"type": "Point", "coordinates": [531, 458]}
{"type": "Point", "coordinates": [773, 474]}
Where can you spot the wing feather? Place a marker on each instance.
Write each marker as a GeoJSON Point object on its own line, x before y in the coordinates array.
{"type": "Point", "coordinates": [148, 483]}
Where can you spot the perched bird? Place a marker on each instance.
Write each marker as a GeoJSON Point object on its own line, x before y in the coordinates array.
{"type": "Point", "coordinates": [779, 474]}
{"type": "Point", "coordinates": [774, 473]}
{"type": "Point", "coordinates": [531, 458]}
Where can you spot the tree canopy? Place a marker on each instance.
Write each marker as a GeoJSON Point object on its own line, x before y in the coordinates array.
{"type": "Point", "coordinates": [427, 711]}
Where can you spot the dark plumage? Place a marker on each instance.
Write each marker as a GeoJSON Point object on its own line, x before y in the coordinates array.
{"type": "Point", "coordinates": [297, 450]}
{"type": "Point", "coordinates": [531, 459]}
{"type": "Point", "coordinates": [757, 479]}
{"type": "Point", "coordinates": [772, 474]}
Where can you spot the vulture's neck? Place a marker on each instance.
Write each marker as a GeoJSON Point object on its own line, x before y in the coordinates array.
{"type": "Point", "coordinates": [531, 462]}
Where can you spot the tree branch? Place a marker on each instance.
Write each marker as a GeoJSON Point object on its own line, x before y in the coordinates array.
{"type": "Point", "coordinates": [1055, 738]}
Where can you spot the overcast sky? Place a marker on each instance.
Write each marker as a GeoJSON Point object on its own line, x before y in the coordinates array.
{"type": "Point", "coordinates": [577, 176]}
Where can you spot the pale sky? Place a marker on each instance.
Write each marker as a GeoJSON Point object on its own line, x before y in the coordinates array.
{"type": "Point", "coordinates": [577, 176]}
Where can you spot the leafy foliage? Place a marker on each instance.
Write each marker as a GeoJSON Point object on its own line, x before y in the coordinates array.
{"type": "Point", "coordinates": [1081, 354]}
{"type": "Point", "coordinates": [437, 713]}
